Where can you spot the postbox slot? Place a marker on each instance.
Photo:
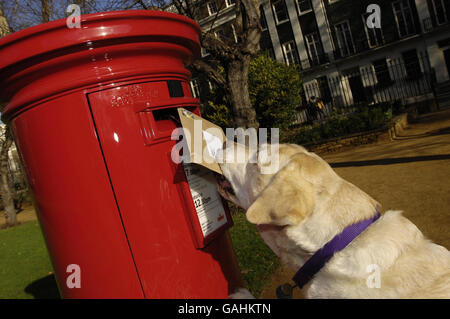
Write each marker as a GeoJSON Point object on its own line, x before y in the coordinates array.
{"type": "Point", "coordinates": [157, 125]}
{"type": "Point", "coordinates": [164, 119]}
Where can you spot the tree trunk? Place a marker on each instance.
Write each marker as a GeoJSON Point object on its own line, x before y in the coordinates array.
{"type": "Point", "coordinates": [237, 77]}
{"type": "Point", "coordinates": [4, 25]}
{"type": "Point", "coordinates": [45, 9]}
{"type": "Point", "coordinates": [5, 190]}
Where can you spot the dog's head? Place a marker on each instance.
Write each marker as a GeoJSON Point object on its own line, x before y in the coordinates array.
{"type": "Point", "coordinates": [284, 197]}
{"type": "Point", "coordinates": [303, 186]}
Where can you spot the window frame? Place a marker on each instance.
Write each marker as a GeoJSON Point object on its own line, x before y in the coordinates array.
{"type": "Point", "coordinates": [209, 9]}
{"type": "Point", "coordinates": [275, 11]}
{"type": "Point", "coordinates": [383, 77]}
{"type": "Point", "coordinates": [401, 2]}
{"type": "Point", "coordinates": [413, 67]}
{"type": "Point", "coordinates": [195, 88]}
{"type": "Point", "coordinates": [264, 26]}
{"type": "Point", "coordinates": [228, 4]}
{"type": "Point", "coordinates": [346, 22]}
{"type": "Point", "coordinates": [220, 34]}
{"type": "Point", "coordinates": [433, 3]}
{"type": "Point", "coordinates": [293, 51]}
{"type": "Point", "coordinates": [368, 30]}
{"type": "Point", "coordinates": [317, 47]}
{"type": "Point", "coordinates": [303, 12]}
{"type": "Point", "coordinates": [233, 30]}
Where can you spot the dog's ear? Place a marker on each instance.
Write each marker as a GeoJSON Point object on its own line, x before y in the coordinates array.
{"type": "Point", "coordinates": [286, 200]}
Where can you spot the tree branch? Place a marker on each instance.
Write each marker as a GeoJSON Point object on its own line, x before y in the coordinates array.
{"type": "Point", "coordinates": [205, 68]}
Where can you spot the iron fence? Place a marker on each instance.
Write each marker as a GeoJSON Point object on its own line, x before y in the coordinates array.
{"type": "Point", "coordinates": [400, 80]}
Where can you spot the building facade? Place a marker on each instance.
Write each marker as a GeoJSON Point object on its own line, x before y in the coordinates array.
{"type": "Point", "coordinates": [342, 60]}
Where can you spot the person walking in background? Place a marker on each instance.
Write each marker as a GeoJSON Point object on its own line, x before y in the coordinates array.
{"type": "Point", "coordinates": [311, 110]}
{"type": "Point", "coordinates": [320, 109]}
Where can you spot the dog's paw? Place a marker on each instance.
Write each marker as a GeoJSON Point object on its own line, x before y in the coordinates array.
{"type": "Point", "coordinates": [241, 293]}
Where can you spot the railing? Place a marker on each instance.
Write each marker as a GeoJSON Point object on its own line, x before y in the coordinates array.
{"type": "Point", "coordinates": [394, 81]}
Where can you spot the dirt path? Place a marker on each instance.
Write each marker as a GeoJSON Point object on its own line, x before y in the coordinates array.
{"type": "Point", "coordinates": [411, 174]}
{"type": "Point", "coordinates": [26, 215]}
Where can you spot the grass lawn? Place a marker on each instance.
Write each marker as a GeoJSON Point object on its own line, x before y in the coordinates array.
{"type": "Point", "coordinates": [256, 260]}
{"type": "Point", "coordinates": [25, 268]}
{"type": "Point", "coordinates": [26, 271]}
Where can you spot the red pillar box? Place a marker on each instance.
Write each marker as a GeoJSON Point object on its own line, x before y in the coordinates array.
{"type": "Point", "coordinates": [90, 110]}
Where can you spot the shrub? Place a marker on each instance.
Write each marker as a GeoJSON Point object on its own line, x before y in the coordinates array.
{"type": "Point", "coordinates": [364, 119]}
{"type": "Point", "coordinates": [274, 90]}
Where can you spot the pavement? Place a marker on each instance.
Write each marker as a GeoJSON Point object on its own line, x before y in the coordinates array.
{"type": "Point", "coordinates": [411, 173]}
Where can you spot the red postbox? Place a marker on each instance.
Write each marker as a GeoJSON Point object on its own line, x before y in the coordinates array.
{"type": "Point", "coordinates": [91, 109]}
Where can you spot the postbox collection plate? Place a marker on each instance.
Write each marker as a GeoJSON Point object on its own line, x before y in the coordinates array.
{"type": "Point", "coordinates": [207, 211]}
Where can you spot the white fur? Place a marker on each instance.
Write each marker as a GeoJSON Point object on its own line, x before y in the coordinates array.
{"type": "Point", "coordinates": [410, 265]}
{"type": "Point", "coordinates": [241, 293]}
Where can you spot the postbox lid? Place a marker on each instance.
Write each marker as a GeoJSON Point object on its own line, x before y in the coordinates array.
{"type": "Point", "coordinates": [46, 37]}
{"type": "Point", "coordinates": [25, 55]}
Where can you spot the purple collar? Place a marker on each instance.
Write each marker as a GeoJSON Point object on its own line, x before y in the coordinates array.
{"type": "Point", "coordinates": [314, 264]}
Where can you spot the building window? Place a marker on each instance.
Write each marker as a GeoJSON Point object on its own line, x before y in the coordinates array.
{"type": "Point", "coordinates": [195, 88]}
{"type": "Point", "coordinates": [263, 18]}
{"type": "Point", "coordinates": [230, 3]}
{"type": "Point", "coordinates": [439, 11]}
{"type": "Point", "coordinates": [382, 72]}
{"type": "Point", "coordinates": [220, 34]}
{"type": "Point", "coordinates": [212, 7]}
{"type": "Point", "coordinates": [324, 89]}
{"type": "Point", "coordinates": [290, 54]}
{"type": "Point", "coordinates": [210, 86]}
{"type": "Point", "coordinates": [354, 79]}
{"type": "Point", "coordinates": [344, 38]}
{"type": "Point", "coordinates": [314, 48]}
{"type": "Point", "coordinates": [234, 33]}
{"type": "Point", "coordinates": [374, 35]}
{"type": "Point", "coordinates": [404, 18]}
{"type": "Point", "coordinates": [279, 9]}
{"type": "Point", "coordinates": [304, 6]}
{"type": "Point", "coordinates": [412, 64]}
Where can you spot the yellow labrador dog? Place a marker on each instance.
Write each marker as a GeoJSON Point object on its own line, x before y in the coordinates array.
{"type": "Point", "coordinates": [304, 205]}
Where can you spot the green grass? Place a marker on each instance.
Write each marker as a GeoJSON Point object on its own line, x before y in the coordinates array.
{"type": "Point", "coordinates": [25, 268]}
{"type": "Point", "coordinates": [26, 271]}
{"type": "Point", "coordinates": [256, 260]}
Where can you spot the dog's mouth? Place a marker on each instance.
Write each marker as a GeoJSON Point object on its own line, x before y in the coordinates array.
{"type": "Point", "coordinates": [268, 227]}
{"type": "Point", "coordinates": [224, 185]}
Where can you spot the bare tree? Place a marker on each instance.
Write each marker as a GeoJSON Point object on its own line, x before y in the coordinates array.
{"type": "Point", "coordinates": [234, 57]}
{"type": "Point", "coordinates": [45, 9]}
{"type": "Point", "coordinates": [6, 193]}
{"type": "Point", "coordinates": [22, 14]}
